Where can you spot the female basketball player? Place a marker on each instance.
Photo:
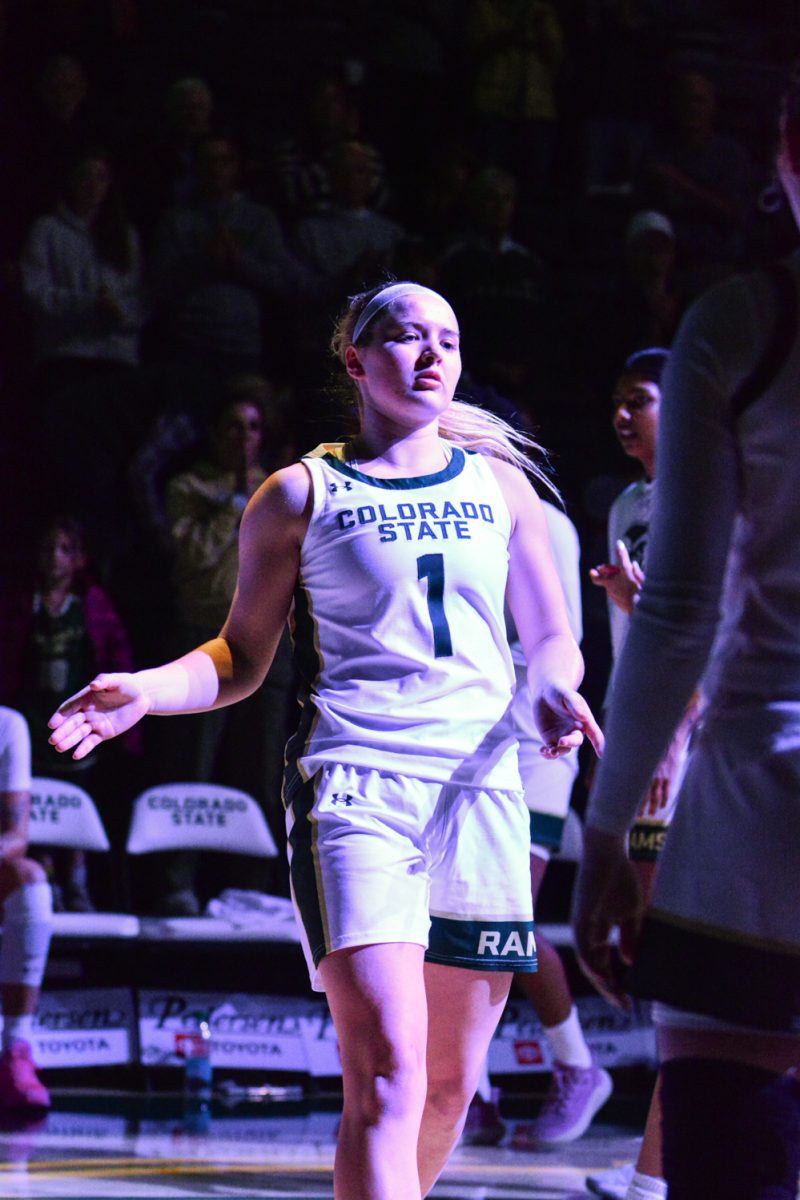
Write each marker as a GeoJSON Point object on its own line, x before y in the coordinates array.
{"type": "Point", "coordinates": [407, 830]}
{"type": "Point", "coordinates": [720, 948]}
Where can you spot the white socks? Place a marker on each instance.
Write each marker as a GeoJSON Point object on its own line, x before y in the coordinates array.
{"type": "Point", "coordinates": [17, 1029]}
{"type": "Point", "coordinates": [484, 1088]}
{"type": "Point", "coordinates": [646, 1187]}
{"type": "Point", "coordinates": [568, 1043]}
{"type": "Point", "coordinates": [27, 926]}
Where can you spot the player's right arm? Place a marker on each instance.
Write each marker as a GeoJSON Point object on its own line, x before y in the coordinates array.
{"type": "Point", "coordinates": [230, 666]}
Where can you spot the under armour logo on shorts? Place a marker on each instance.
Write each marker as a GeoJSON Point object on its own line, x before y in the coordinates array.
{"type": "Point", "coordinates": [341, 798]}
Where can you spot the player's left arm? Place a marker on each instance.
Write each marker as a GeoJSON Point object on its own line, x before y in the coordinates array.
{"type": "Point", "coordinates": [536, 600]}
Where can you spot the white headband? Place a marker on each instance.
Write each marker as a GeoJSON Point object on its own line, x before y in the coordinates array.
{"type": "Point", "coordinates": [394, 291]}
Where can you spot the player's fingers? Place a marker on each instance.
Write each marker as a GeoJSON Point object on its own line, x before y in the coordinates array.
{"type": "Point", "coordinates": [87, 746]}
{"type": "Point", "coordinates": [63, 735]}
{"type": "Point", "coordinates": [70, 735]}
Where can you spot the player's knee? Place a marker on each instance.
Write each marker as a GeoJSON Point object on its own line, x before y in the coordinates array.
{"type": "Point", "coordinates": [388, 1076]}
{"type": "Point", "coordinates": [449, 1094]}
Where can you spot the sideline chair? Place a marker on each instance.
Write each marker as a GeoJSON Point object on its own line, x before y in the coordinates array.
{"type": "Point", "coordinates": [205, 817]}
{"type": "Point", "coordinates": [63, 814]}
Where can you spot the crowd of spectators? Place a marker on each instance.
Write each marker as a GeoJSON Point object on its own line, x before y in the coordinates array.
{"type": "Point", "coordinates": [194, 188]}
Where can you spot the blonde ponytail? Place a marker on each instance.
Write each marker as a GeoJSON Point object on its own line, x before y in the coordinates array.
{"type": "Point", "coordinates": [475, 428]}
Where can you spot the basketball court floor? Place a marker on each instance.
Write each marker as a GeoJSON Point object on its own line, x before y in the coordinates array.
{"type": "Point", "coordinates": [120, 1145]}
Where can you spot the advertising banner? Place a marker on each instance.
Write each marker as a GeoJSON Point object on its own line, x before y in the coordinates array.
{"type": "Point", "coordinates": [92, 1027]}
{"type": "Point", "coordinates": [259, 1032]}
{"type": "Point", "coordinates": [617, 1039]}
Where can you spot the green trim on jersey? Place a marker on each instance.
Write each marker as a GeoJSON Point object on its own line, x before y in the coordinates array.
{"type": "Point", "coordinates": [453, 468]}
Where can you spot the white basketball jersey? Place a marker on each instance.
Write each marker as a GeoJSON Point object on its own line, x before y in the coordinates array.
{"type": "Point", "coordinates": [399, 630]}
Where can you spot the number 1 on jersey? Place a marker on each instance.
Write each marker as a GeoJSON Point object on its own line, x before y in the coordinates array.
{"type": "Point", "coordinates": [431, 567]}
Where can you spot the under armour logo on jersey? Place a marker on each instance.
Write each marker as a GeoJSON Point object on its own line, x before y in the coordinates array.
{"type": "Point", "coordinates": [347, 486]}
{"type": "Point", "coordinates": [342, 798]}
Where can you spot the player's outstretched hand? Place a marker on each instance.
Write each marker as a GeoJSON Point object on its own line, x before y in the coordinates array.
{"type": "Point", "coordinates": [606, 896]}
{"type": "Point", "coordinates": [564, 718]}
{"type": "Point", "coordinates": [110, 705]}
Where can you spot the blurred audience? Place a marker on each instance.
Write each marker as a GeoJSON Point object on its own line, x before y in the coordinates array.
{"type": "Point", "coordinates": [59, 626]}
{"type": "Point", "coordinates": [299, 182]}
{"type": "Point", "coordinates": [241, 746]}
{"type": "Point", "coordinates": [498, 288]}
{"type": "Point", "coordinates": [700, 178]}
{"type": "Point", "coordinates": [222, 274]}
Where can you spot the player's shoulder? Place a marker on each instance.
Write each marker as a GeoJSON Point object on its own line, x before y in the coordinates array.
{"type": "Point", "coordinates": [516, 487]}
{"type": "Point", "coordinates": [284, 495]}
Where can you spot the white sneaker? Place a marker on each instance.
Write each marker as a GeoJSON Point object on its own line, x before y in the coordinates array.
{"type": "Point", "coordinates": [613, 1184]}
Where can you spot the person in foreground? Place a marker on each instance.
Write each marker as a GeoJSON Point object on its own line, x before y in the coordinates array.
{"type": "Point", "coordinates": [27, 921]}
{"type": "Point", "coordinates": [407, 829]}
{"type": "Point", "coordinates": [719, 950]}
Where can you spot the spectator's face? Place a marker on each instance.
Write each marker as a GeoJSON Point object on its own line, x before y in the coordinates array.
{"type": "Point", "coordinates": [238, 436]}
{"type": "Point", "coordinates": [90, 184]}
{"type": "Point", "coordinates": [60, 558]}
{"type": "Point", "coordinates": [493, 208]}
{"type": "Point", "coordinates": [190, 111]}
{"type": "Point", "coordinates": [63, 89]}
{"type": "Point", "coordinates": [636, 404]}
{"type": "Point", "coordinates": [219, 167]}
{"type": "Point", "coordinates": [353, 177]}
{"type": "Point", "coordinates": [694, 101]}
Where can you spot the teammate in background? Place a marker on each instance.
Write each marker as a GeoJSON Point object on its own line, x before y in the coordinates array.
{"type": "Point", "coordinates": [407, 828]}
{"type": "Point", "coordinates": [579, 1087]}
{"type": "Point", "coordinates": [27, 921]}
{"type": "Point", "coordinates": [719, 949]}
{"type": "Point", "coordinates": [636, 406]}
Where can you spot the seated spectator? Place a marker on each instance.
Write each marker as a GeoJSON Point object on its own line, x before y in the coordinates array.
{"type": "Point", "coordinates": [56, 626]}
{"type": "Point", "coordinates": [700, 178]}
{"type": "Point", "coordinates": [346, 239]}
{"type": "Point", "coordinates": [221, 271]}
{"type": "Point", "coordinates": [516, 49]}
{"type": "Point", "coordinates": [616, 54]}
{"type": "Point", "coordinates": [81, 277]}
{"type": "Point", "coordinates": [300, 182]}
{"type": "Point", "coordinates": [27, 923]}
{"type": "Point", "coordinates": [166, 166]}
{"type": "Point", "coordinates": [82, 284]}
{"type": "Point", "coordinates": [636, 301]}
{"type": "Point", "coordinates": [497, 286]}
{"type": "Point", "coordinates": [179, 435]}
{"type": "Point", "coordinates": [348, 231]}
{"type": "Point", "coordinates": [240, 746]}
{"type": "Point", "coordinates": [63, 126]}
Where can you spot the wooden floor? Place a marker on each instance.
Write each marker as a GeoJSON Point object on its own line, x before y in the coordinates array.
{"type": "Point", "coordinates": [118, 1145]}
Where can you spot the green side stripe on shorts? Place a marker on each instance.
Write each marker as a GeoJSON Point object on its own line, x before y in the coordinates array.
{"type": "Point", "coordinates": [547, 830]}
{"type": "Point", "coordinates": [482, 945]}
{"type": "Point", "coordinates": [302, 869]}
